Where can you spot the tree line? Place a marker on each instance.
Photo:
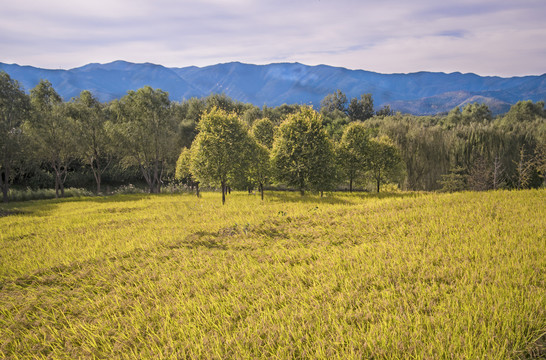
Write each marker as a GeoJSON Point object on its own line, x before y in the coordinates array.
{"type": "Point", "coordinates": [221, 143]}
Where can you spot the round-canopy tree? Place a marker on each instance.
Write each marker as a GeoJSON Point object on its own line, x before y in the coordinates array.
{"type": "Point", "coordinates": [220, 152]}
{"type": "Point", "coordinates": [354, 151]}
{"type": "Point", "coordinates": [303, 154]}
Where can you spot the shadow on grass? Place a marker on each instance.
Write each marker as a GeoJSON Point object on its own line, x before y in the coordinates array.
{"type": "Point", "coordinates": [45, 206]}
{"type": "Point", "coordinates": [334, 197]}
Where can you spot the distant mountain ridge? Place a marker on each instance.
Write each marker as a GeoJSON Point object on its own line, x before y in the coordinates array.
{"type": "Point", "coordinates": [421, 93]}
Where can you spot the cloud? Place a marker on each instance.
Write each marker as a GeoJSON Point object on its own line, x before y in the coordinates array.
{"type": "Point", "coordinates": [483, 36]}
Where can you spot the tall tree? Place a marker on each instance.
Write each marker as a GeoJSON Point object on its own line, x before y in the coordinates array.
{"type": "Point", "coordinates": [361, 109]}
{"type": "Point", "coordinates": [94, 141]}
{"type": "Point", "coordinates": [260, 167]}
{"type": "Point", "coordinates": [14, 106]}
{"type": "Point", "coordinates": [353, 152]}
{"type": "Point", "coordinates": [384, 161]}
{"type": "Point", "coordinates": [385, 111]}
{"type": "Point", "coordinates": [52, 131]}
{"type": "Point", "coordinates": [335, 101]}
{"type": "Point", "coordinates": [220, 150]}
{"type": "Point", "coordinates": [146, 133]}
{"type": "Point", "coordinates": [302, 154]}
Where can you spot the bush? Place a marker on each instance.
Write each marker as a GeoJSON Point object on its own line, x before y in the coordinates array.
{"type": "Point", "coordinates": [30, 194]}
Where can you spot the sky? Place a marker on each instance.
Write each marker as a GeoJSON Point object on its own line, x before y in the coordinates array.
{"type": "Point", "coordinates": [486, 37]}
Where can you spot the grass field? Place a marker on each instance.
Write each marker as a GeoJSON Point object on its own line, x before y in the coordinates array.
{"type": "Point", "coordinates": [395, 276]}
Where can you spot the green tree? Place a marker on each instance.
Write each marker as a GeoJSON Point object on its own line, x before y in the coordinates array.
{"type": "Point", "coordinates": [476, 113]}
{"type": "Point", "coordinates": [263, 131]}
{"type": "Point", "coordinates": [52, 131]}
{"type": "Point", "coordinates": [353, 152]}
{"type": "Point", "coordinates": [260, 168]}
{"type": "Point", "coordinates": [94, 142]}
{"type": "Point", "coordinates": [525, 111]}
{"type": "Point", "coordinates": [385, 111]}
{"type": "Point", "coordinates": [183, 170]}
{"type": "Point", "coordinates": [540, 161]}
{"type": "Point", "coordinates": [524, 170]}
{"type": "Point", "coordinates": [14, 106]}
{"type": "Point", "coordinates": [384, 160]}
{"type": "Point", "coordinates": [454, 181]}
{"type": "Point", "coordinates": [302, 154]}
{"type": "Point", "coordinates": [146, 133]}
{"type": "Point", "coordinates": [335, 101]}
{"type": "Point", "coordinates": [361, 109]}
{"type": "Point", "coordinates": [219, 152]}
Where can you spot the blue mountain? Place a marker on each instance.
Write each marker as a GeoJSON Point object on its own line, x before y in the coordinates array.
{"type": "Point", "coordinates": [418, 93]}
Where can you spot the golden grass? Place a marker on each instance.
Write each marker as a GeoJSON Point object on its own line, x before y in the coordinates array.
{"type": "Point", "coordinates": [420, 276]}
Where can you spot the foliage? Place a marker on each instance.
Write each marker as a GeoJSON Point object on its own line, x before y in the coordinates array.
{"type": "Point", "coordinates": [220, 152]}
{"type": "Point", "coordinates": [143, 132]}
{"type": "Point", "coordinates": [353, 153]}
{"type": "Point", "coordinates": [263, 131]}
{"type": "Point", "coordinates": [14, 106]}
{"type": "Point", "coordinates": [29, 194]}
{"type": "Point", "coordinates": [455, 181]}
{"type": "Point", "coordinates": [95, 143]}
{"type": "Point", "coordinates": [337, 101]}
{"type": "Point", "coordinates": [385, 164]}
{"type": "Point", "coordinates": [361, 109]}
{"type": "Point", "coordinates": [183, 170]}
{"type": "Point", "coordinates": [146, 133]}
{"type": "Point", "coordinates": [51, 131]}
{"type": "Point", "coordinates": [260, 167]}
{"type": "Point", "coordinates": [302, 154]}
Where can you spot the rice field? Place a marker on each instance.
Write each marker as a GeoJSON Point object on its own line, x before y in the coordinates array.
{"type": "Point", "coordinates": [346, 276]}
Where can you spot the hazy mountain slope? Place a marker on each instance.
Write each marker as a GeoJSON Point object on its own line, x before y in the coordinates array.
{"type": "Point", "coordinates": [275, 84]}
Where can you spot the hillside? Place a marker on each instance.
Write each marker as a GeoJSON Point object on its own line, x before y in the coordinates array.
{"type": "Point", "coordinates": [274, 84]}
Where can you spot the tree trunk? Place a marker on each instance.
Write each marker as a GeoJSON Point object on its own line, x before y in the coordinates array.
{"type": "Point", "coordinates": [197, 188]}
{"type": "Point", "coordinates": [98, 184]}
{"type": "Point", "coordinates": [378, 178]}
{"type": "Point", "coordinates": [321, 193]}
{"type": "Point", "coordinates": [57, 181]}
{"type": "Point", "coordinates": [351, 185]}
{"type": "Point", "coordinates": [262, 191]}
{"type": "Point", "coordinates": [96, 173]}
{"type": "Point", "coordinates": [4, 180]}
{"type": "Point", "coordinates": [223, 192]}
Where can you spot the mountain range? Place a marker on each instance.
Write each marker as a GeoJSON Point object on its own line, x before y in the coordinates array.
{"type": "Point", "coordinates": [421, 93]}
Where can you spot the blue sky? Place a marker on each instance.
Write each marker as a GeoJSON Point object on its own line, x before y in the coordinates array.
{"type": "Point", "coordinates": [487, 37]}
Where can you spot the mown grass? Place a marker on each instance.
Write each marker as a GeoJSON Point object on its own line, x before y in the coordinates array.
{"type": "Point", "coordinates": [420, 276]}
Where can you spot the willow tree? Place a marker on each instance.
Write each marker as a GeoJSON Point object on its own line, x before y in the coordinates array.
{"type": "Point", "coordinates": [220, 152]}
{"type": "Point", "coordinates": [94, 142]}
{"type": "Point", "coordinates": [14, 106]}
{"type": "Point", "coordinates": [146, 133]}
{"type": "Point", "coordinates": [303, 155]}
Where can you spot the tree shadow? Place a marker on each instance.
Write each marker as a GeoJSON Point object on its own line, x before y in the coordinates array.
{"type": "Point", "coordinates": [334, 197]}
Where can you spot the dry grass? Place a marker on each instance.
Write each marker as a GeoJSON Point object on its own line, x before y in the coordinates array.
{"type": "Point", "coordinates": [417, 276]}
